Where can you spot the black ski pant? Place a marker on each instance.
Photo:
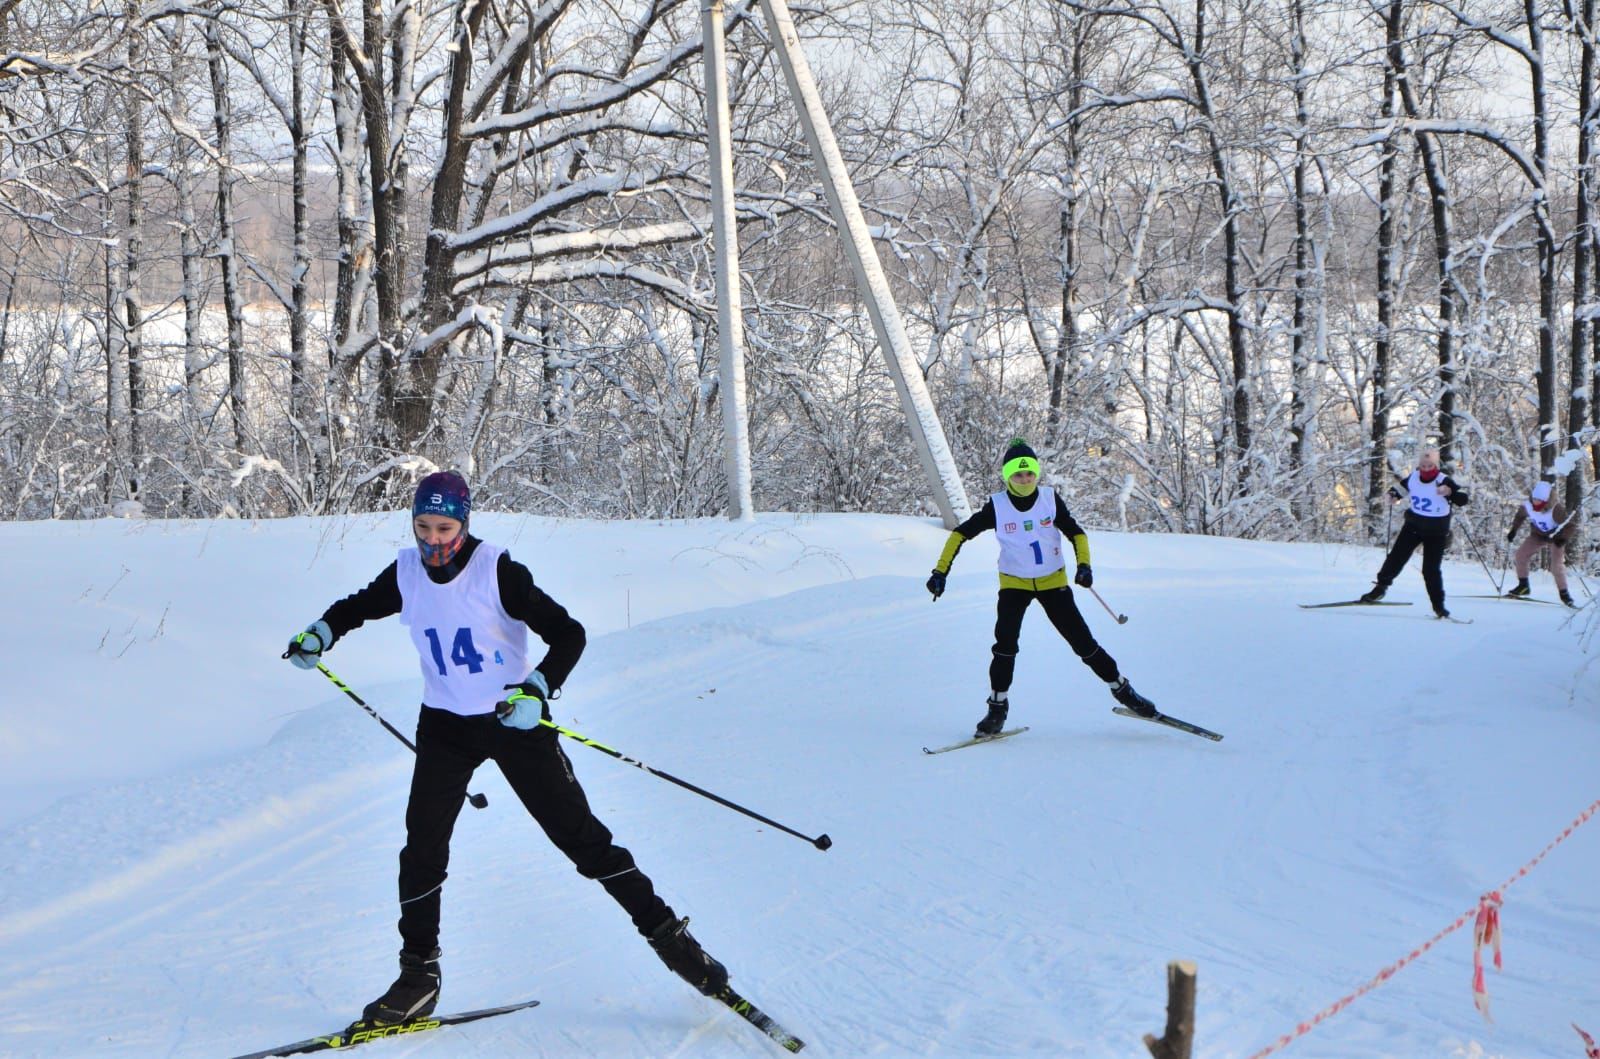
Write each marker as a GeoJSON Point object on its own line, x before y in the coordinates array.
{"type": "Point", "coordinates": [1063, 614]}
{"type": "Point", "coordinates": [449, 748]}
{"type": "Point", "coordinates": [1434, 536]}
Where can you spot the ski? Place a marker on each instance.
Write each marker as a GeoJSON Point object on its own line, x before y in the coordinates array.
{"type": "Point", "coordinates": [760, 1020]}
{"type": "Point", "coordinates": [356, 1033]}
{"type": "Point", "coordinates": [1520, 599]}
{"type": "Point", "coordinates": [975, 740]}
{"type": "Point", "coordinates": [1351, 603]}
{"type": "Point", "coordinates": [1171, 722]}
{"type": "Point", "coordinates": [1453, 620]}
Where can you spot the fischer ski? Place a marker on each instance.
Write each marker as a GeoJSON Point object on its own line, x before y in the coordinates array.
{"type": "Point", "coordinates": [356, 1033]}
{"type": "Point", "coordinates": [975, 740]}
{"type": "Point", "coordinates": [1171, 722]}
{"type": "Point", "coordinates": [759, 1019]}
{"type": "Point", "coordinates": [1352, 603]}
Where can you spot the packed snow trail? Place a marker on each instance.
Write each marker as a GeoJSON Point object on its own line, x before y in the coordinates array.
{"type": "Point", "coordinates": [219, 874]}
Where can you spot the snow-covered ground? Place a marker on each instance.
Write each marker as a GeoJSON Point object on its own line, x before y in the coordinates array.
{"type": "Point", "coordinates": [199, 840]}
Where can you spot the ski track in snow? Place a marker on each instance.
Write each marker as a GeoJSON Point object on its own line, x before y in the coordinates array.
{"type": "Point", "coordinates": [1020, 898]}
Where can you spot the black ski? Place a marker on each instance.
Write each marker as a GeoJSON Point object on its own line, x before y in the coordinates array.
{"type": "Point", "coordinates": [975, 740]}
{"type": "Point", "coordinates": [1351, 603]}
{"type": "Point", "coordinates": [1171, 722]}
{"type": "Point", "coordinates": [356, 1034]}
{"type": "Point", "coordinates": [760, 1020]}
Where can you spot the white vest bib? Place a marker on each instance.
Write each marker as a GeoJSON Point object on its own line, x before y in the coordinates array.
{"type": "Point", "coordinates": [1425, 498]}
{"type": "Point", "coordinates": [469, 647]}
{"type": "Point", "coordinates": [1543, 521]}
{"type": "Point", "coordinates": [1030, 544]}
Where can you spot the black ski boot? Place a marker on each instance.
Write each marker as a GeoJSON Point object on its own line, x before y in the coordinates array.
{"type": "Point", "coordinates": [1522, 588]}
{"type": "Point", "coordinates": [414, 994]}
{"type": "Point", "coordinates": [1123, 692]}
{"type": "Point", "coordinates": [686, 959]}
{"type": "Point", "coordinates": [1566, 597]}
{"type": "Point", "coordinates": [1440, 613]}
{"type": "Point", "coordinates": [995, 719]}
{"type": "Point", "coordinates": [1378, 589]}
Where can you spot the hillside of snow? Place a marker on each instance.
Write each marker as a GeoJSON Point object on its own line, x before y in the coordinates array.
{"type": "Point", "coordinates": [199, 840]}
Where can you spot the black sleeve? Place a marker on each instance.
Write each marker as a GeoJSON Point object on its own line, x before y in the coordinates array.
{"type": "Point", "coordinates": [982, 520]}
{"type": "Point", "coordinates": [378, 600]}
{"type": "Point", "coordinates": [1458, 497]}
{"type": "Point", "coordinates": [527, 602]}
{"type": "Point", "coordinates": [1065, 522]}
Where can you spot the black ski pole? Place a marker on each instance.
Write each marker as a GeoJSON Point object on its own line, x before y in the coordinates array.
{"type": "Point", "coordinates": [821, 841]}
{"type": "Point", "coordinates": [478, 801]}
{"type": "Point", "coordinates": [1467, 533]}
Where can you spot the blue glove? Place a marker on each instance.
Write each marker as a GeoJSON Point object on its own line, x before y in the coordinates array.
{"type": "Point", "coordinates": [936, 585]}
{"type": "Point", "coordinates": [305, 650]}
{"type": "Point", "coordinates": [524, 707]}
{"type": "Point", "coordinates": [1085, 576]}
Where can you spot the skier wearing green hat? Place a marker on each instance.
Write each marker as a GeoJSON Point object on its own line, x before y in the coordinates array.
{"type": "Point", "coordinates": [1030, 521]}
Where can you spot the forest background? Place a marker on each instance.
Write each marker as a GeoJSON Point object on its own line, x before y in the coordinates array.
{"type": "Point", "coordinates": [1226, 263]}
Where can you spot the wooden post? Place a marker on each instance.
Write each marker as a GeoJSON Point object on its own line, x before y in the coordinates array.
{"type": "Point", "coordinates": [1178, 1042]}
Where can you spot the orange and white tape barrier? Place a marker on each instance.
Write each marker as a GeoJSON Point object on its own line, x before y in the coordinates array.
{"type": "Point", "coordinates": [1486, 932]}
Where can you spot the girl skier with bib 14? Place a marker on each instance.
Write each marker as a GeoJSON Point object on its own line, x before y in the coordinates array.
{"type": "Point", "coordinates": [469, 606]}
{"type": "Point", "coordinates": [1547, 527]}
{"type": "Point", "coordinates": [1029, 521]}
{"type": "Point", "coordinates": [1432, 495]}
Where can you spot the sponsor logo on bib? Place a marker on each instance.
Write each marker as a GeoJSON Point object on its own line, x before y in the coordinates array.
{"type": "Point", "coordinates": [1011, 527]}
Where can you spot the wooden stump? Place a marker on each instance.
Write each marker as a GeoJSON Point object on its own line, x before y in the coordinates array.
{"type": "Point", "coordinates": [1178, 1041]}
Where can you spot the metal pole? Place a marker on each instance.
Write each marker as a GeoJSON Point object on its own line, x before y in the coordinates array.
{"type": "Point", "coordinates": [730, 310]}
{"type": "Point", "coordinates": [938, 463]}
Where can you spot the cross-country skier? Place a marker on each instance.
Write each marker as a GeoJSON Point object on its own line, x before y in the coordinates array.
{"type": "Point", "coordinates": [1431, 494]}
{"type": "Point", "coordinates": [1547, 527]}
{"type": "Point", "coordinates": [468, 606]}
{"type": "Point", "coordinates": [1029, 522]}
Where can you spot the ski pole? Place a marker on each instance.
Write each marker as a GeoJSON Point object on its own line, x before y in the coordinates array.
{"type": "Point", "coordinates": [1122, 619]}
{"type": "Point", "coordinates": [1467, 533]}
{"type": "Point", "coordinates": [478, 801]}
{"type": "Point", "coordinates": [821, 841]}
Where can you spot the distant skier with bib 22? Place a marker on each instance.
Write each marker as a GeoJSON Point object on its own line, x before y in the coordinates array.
{"type": "Point", "coordinates": [469, 607]}
{"type": "Point", "coordinates": [1431, 495]}
{"type": "Point", "coordinates": [1029, 521]}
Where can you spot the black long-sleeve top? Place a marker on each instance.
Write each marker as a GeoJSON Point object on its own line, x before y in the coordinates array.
{"type": "Point", "coordinates": [522, 599]}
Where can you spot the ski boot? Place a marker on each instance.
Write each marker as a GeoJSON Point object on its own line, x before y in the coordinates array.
{"type": "Point", "coordinates": [995, 719]}
{"type": "Point", "coordinates": [1522, 588]}
{"type": "Point", "coordinates": [1123, 692]}
{"type": "Point", "coordinates": [1566, 597]}
{"type": "Point", "coordinates": [414, 994]}
{"type": "Point", "coordinates": [1378, 590]}
{"type": "Point", "coordinates": [686, 959]}
{"type": "Point", "coordinates": [1440, 613]}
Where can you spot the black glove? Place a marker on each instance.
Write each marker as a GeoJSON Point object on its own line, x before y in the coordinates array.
{"type": "Point", "coordinates": [936, 584]}
{"type": "Point", "coordinates": [1394, 494]}
{"type": "Point", "coordinates": [1511, 535]}
{"type": "Point", "coordinates": [1085, 576]}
